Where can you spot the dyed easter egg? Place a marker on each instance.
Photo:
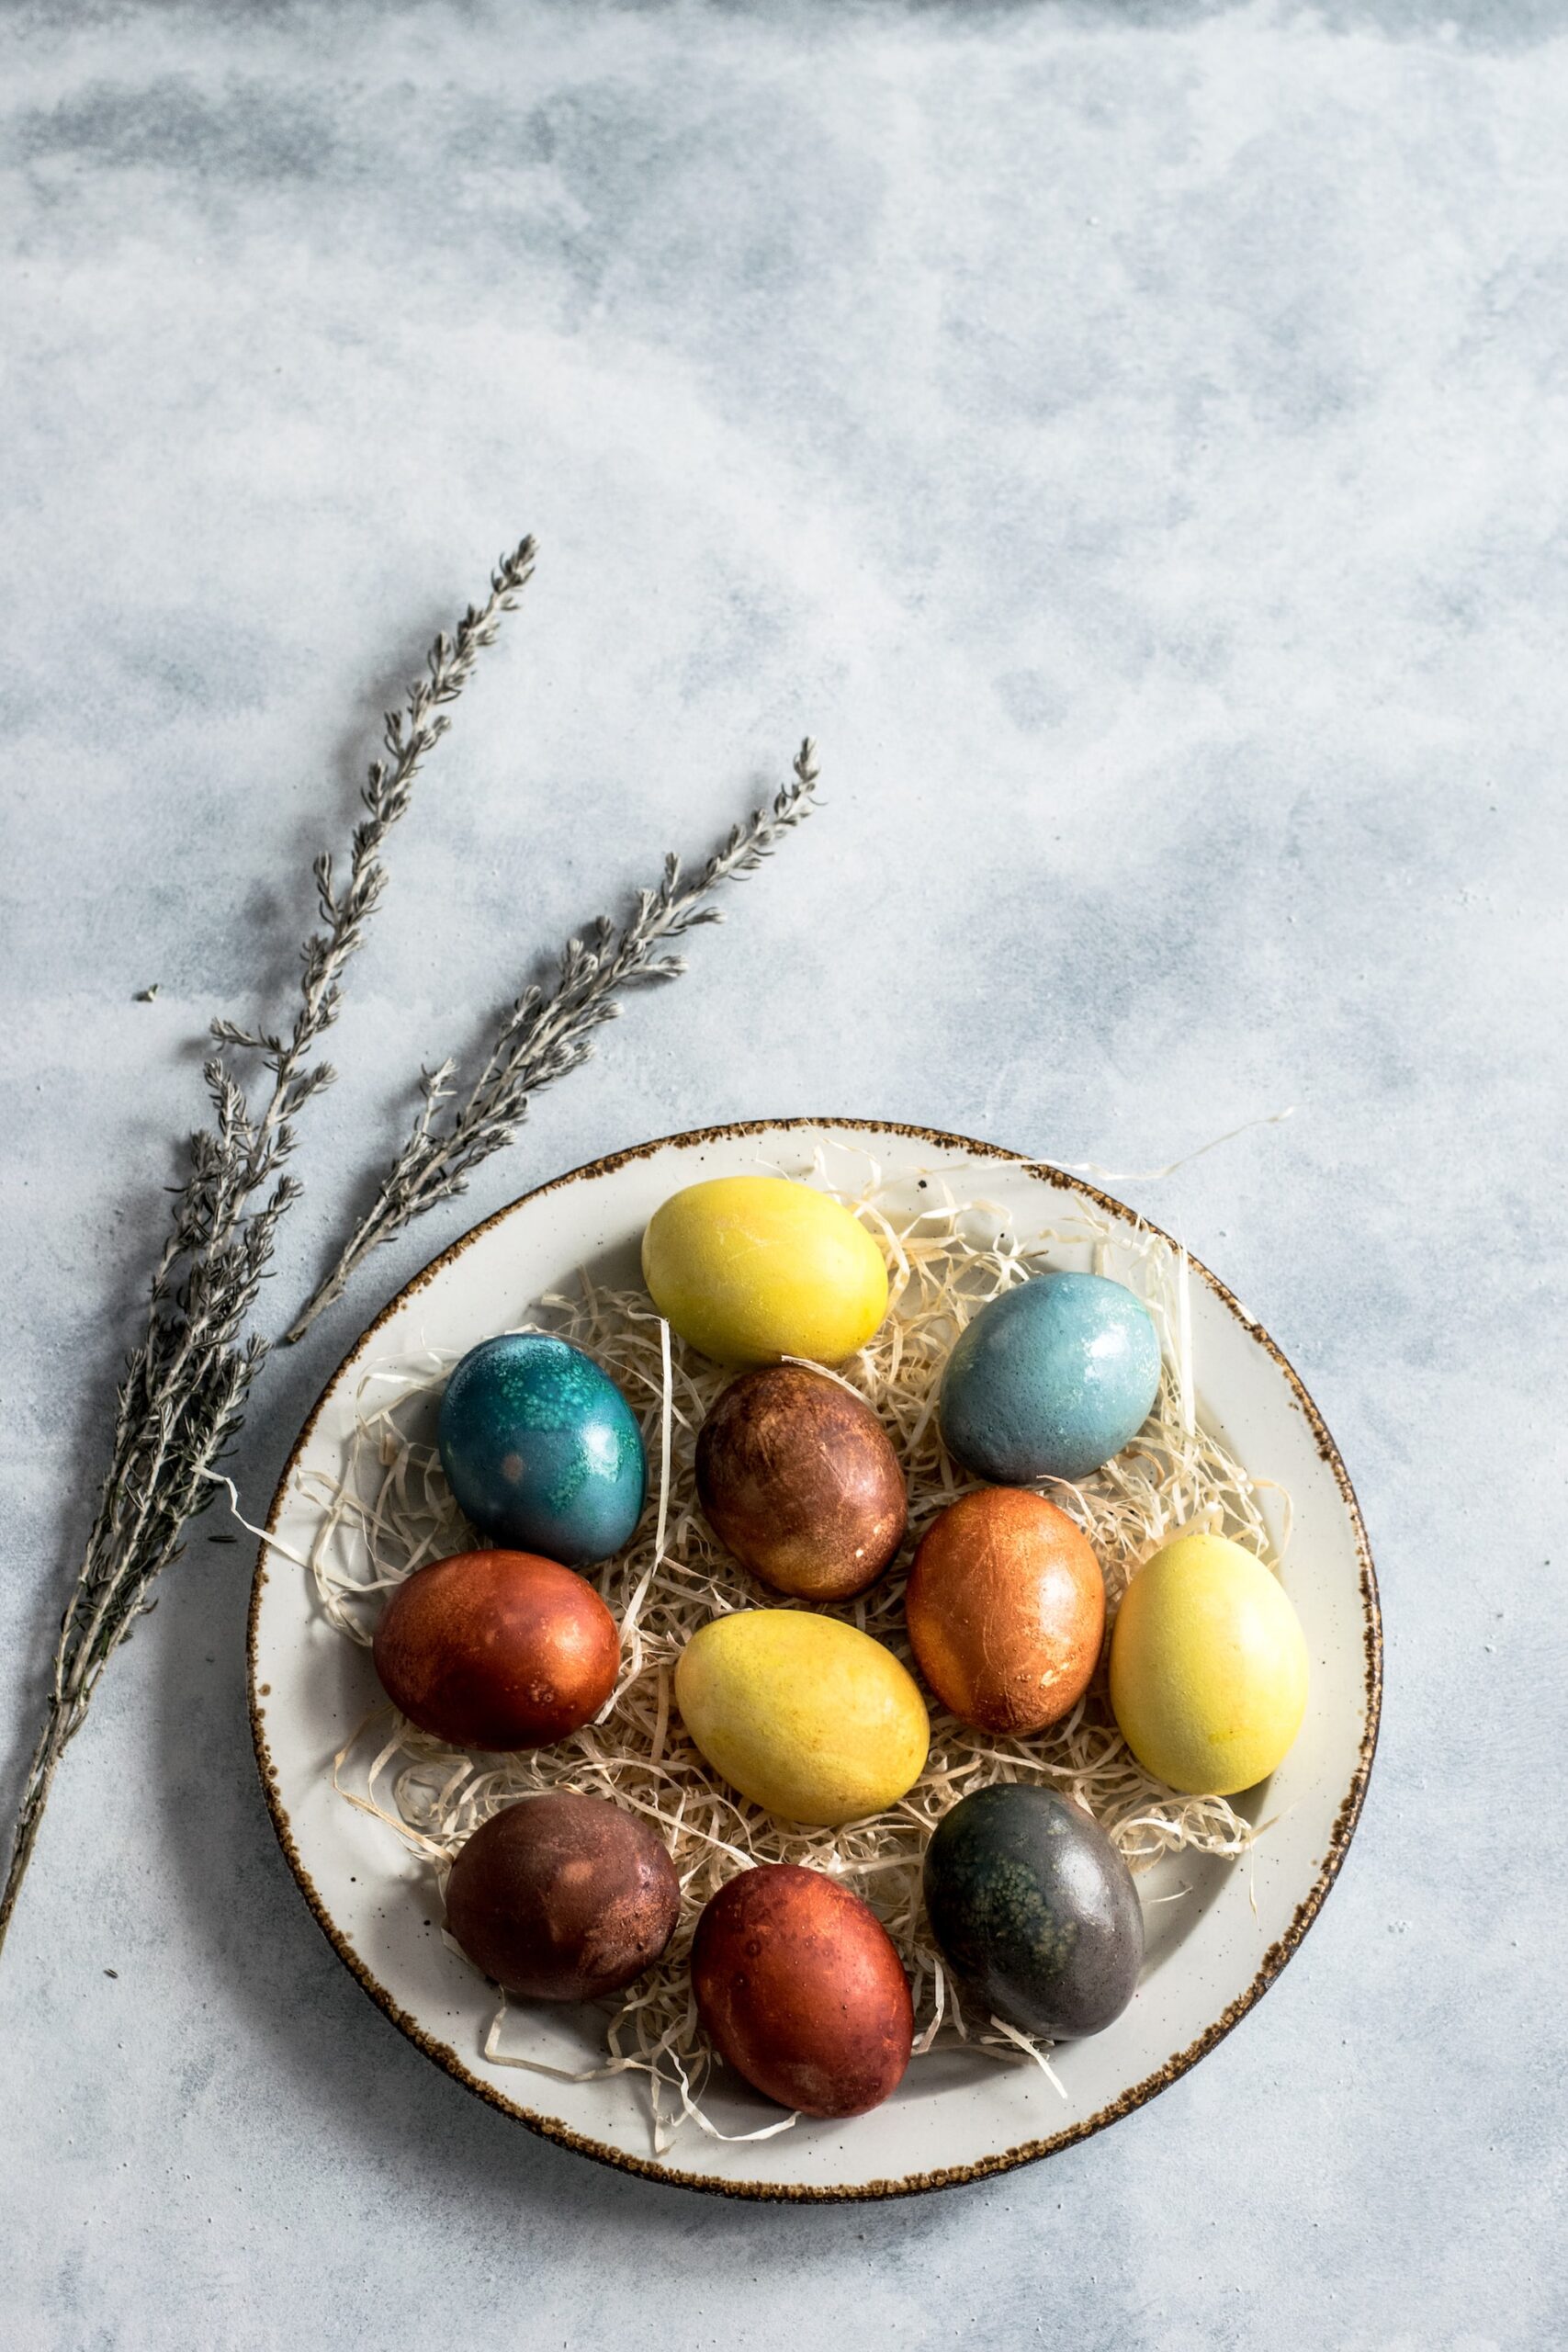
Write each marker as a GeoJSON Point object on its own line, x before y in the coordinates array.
{"type": "Point", "coordinates": [542, 1450]}
{"type": "Point", "coordinates": [1034, 1911]}
{"type": "Point", "coordinates": [1208, 1667]}
{"type": "Point", "coordinates": [799, 1478]}
{"type": "Point", "coordinates": [1006, 1610]}
{"type": "Point", "coordinates": [563, 1898]}
{"type": "Point", "coordinates": [748, 1269]}
{"type": "Point", "coordinates": [497, 1649]}
{"type": "Point", "coordinates": [800, 1990]}
{"type": "Point", "coordinates": [1050, 1380]}
{"type": "Point", "coordinates": [802, 1713]}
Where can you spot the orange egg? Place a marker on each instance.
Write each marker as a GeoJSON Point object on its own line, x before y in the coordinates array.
{"type": "Point", "coordinates": [1006, 1610]}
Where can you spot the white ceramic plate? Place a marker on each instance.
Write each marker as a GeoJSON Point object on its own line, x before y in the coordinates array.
{"type": "Point", "coordinates": [1211, 1955]}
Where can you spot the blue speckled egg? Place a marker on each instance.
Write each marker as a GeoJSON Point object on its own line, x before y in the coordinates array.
{"type": "Point", "coordinates": [542, 1450]}
{"type": "Point", "coordinates": [1050, 1380]}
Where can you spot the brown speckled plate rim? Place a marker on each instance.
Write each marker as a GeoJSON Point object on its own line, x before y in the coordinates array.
{"type": "Point", "coordinates": [1028, 2151]}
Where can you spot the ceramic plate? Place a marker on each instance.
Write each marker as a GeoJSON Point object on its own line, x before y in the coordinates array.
{"type": "Point", "coordinates": [1211, 1955]}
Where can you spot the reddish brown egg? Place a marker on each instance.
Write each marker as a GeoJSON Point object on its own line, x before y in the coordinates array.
{"type": "Point", "coordinates": [563, 1898]}
{"type": "Point", "coordinates": [800, 1990]}
{"type": "Point", "coordinates": [799, 1478]}
{"type": "Point", "coordinates": [497, 1649]}
{"type": "Point", "coordinates": [1006, 1610]}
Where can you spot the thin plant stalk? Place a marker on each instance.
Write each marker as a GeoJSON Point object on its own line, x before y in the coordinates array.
{"type": "Point", "coordinates": [185, 1386]}
{"type": "Point", "coordinates": [549, 1031]}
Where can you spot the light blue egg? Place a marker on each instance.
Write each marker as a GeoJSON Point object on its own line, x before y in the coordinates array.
{"type": "Point", "coordinates": [1050, 1380]}
{"type": "Point", "coordinates": [541, 1448]}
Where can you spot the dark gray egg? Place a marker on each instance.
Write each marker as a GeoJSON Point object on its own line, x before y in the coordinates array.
{"type": "Point", "coordinates": [1034, 1911]}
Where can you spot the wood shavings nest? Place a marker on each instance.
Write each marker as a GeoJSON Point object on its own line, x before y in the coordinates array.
{"type": "Point", "coordinates": [392, 1511]}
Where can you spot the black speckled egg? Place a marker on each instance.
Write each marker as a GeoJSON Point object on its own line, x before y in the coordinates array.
{"type": "Point", "coordinates": [1034, 1911]}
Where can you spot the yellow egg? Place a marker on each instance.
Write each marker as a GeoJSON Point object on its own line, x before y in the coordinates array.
{"type": "Point", "coordinates": [1208, 1668]}
{"type": "Point", "coordinates": [803, 1714]}
{"type": "Point", "coordinates": [752, 1268]}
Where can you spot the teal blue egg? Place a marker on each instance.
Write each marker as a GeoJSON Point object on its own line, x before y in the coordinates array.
{"type": "Point", "coordinates": [1050, 1380]}
{"type": "Point", "coordinates": [541, 1448]}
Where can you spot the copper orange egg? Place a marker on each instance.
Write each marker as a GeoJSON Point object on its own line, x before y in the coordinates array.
{"type": "Point", "coordinates": [1006, 1610]}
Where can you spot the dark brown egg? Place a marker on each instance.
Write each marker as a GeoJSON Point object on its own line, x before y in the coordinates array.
{"type": "Point", "coordinates": [1006, 1610]}
{"type": "Point", "coordinates": [799, 1478]}
{"type": "Point", "coordinates": [498, 1650]}
{"type": "Point", "coordinates": [800, 1990]}
{"type": "Point", "coordinates": [563, 1898]}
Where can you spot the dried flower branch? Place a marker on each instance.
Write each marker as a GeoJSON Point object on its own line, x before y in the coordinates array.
{"type": "Point", "coordinates": [185, 1386]}
{"type": "Point", "coordinates": [549, 1031]}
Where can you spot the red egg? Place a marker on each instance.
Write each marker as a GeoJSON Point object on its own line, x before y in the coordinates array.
{"type": "Point", "coordinates": [1006, 1610]}
{"type": "Point", "coordinates": [800, 1990]}
{"type": "Point", "coordinates": [497, 1650]}
{"type": "Point", "coordinates": [563, 1898]}
{"type": "Point", "coordinates": [798, 1478]}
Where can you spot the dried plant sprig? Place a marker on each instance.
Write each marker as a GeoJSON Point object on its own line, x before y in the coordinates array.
{"type": "Point", "coordinates": [185, 1388]}
{"type": "Point", "coordinates": [549, 1031]}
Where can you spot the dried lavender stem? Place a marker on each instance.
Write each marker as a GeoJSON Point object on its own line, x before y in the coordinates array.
{"type": "Point", "coordinates": [548, 1031]}
{"type": "Point", "coordinates": [185, 1386]}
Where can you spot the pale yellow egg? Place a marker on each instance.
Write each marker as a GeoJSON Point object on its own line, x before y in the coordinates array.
{"type": "Point", "coordinates": [1208, 1668]}
{"type": "Point", "coordinates": [749, 1269]}
{"type": "Point", "coordinates": [804, 1714]}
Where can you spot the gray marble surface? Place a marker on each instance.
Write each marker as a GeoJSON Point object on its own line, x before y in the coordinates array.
{"type": "Point", "coordinates": [1131, 438]}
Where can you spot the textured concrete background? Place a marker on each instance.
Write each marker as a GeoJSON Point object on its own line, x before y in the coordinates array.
{"type": "Point", "coordinates": [1132, 439]}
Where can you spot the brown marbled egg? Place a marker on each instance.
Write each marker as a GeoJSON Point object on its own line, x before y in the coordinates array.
{"type": "Point", "coordinates": [1006, 1610]}
{"type": "Point", "coordinates": [799, 1478]}
{"type": "Point", "coordinates": [563, 1898]}
{"type": "Point", "coordinates": [497, 1649]}
{"type": "Point", "coordinates": [800, 1990]}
